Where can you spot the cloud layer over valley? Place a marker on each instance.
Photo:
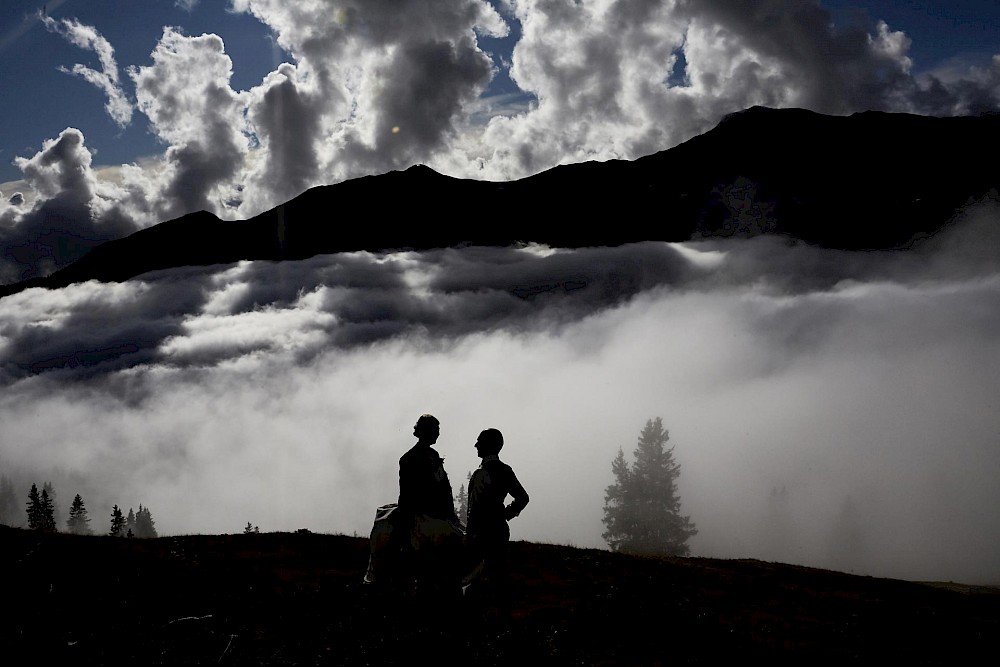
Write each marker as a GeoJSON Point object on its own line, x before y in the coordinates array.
{"type": "Point", "coordinates": [828, 408]}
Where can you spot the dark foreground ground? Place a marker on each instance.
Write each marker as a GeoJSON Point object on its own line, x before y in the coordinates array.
{"type": "Point", "coordinates": [297, 599]}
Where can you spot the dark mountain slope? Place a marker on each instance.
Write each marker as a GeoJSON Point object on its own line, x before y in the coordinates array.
{"type": "Point", "coordinates": [297, 599]}
{"type": "Point", "coordinates": [866, 181]}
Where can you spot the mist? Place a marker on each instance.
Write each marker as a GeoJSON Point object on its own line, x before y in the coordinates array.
{"type": "Point", "coordinates": [827, 408]}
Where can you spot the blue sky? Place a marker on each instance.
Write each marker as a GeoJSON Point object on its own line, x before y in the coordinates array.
{"type": "Point", "coordinates": [940, 30]}
{"type": "Point", "coordinates": [50, 100]}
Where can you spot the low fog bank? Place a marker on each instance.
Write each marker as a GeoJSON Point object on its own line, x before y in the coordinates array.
{"type": "Point", "coordinates": [829, 409]}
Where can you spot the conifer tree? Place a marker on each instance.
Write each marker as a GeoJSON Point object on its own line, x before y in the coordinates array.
{"type": "Point", "coordinates": [34, 509]}
{"type": "Point", "coordinates": [117, 522]}
{"type": "Point", "coordinates": [130, 522]}
{"type": "Point", "coordinates": [462, 500]}
{"type": "Point", "coordinates": [50, 490]}
{"type": "Point", "coordinates": [642, 507]}
{"type": "Point", "coordinates": [78, 522]}
{"type": "Point", "coordinates": [144, 524]}
{"type": "Point", "coordinates": [47, 519]}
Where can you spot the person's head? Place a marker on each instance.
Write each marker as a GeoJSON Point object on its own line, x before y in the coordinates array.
{"type": "Point", "coordinates": [490, 442]}
{"type": "Point", "coordinates": [427, 428]}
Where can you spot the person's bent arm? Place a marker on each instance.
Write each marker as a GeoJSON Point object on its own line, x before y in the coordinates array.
{"type": "Point", "coordinates": [520, 498]}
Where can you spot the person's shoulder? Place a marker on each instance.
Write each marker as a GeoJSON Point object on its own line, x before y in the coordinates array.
{"type": "Point", "coordinates": [498, 465]}
{"type": "Point", "coordinates": [410, 454]}
{"type": "Point", "coordinates": [418, 454]}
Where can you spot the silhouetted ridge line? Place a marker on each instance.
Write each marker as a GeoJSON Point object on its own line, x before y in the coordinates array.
{"type": "Point", "coordinates": [871, 180]}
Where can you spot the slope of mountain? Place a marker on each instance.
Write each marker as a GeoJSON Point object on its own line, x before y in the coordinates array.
{"type": "Point", "coordinates": [867, 181]}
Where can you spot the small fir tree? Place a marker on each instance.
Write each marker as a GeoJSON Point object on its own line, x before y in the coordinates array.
{"type": "Point", "coordinates": [34, 509]}
{"type": "Point", "coordinates": [78, 522]}
{"type": "Point", "coordinates": [642, 507]}
{"type": "Point", "coordinates": [47, 513]}
{"type": "Point", "coordinates": [144, 524]}
{"type": "Point", "coordinates": [462, 501]}
{"type": "Point", "coordinates": [117, 522]}
{"type": "Point", "coordinates": [130, 522]}
{"type": "Point", "coordinates": [50, 490]}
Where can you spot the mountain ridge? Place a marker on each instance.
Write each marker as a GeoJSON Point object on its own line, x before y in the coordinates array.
{"type": "Point", "coordinates": [872, 180]}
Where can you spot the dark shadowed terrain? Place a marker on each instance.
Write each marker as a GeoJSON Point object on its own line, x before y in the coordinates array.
{"type": "Point", "coordinates": [297, 599]}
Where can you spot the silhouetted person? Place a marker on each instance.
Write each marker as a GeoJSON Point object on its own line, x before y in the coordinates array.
{"type": "Point", "coordinates": [425, 517]}
{"type": "Point", "coordinates": [423, 484]}
{"type": "Point", "coordinates": [487, 529]}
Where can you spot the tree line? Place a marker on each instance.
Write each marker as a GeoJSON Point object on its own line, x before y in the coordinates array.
{"type": "Point", "coordinates": [41, 514]}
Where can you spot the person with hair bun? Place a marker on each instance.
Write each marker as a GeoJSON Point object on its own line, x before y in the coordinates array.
{"type": "Point", "coordinates": [423, 483]}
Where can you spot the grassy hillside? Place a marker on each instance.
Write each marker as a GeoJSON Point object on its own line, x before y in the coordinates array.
{"type": "Point", "coordinates": [297, 599]}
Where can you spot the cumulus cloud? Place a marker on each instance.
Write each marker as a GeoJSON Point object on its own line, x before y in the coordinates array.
{"type": "Point", "coordinates": [87, 37]}
{"type": "Point", "coordinates": [955, 88]}
{"type": "Point", "coordinates": [284, 393]}
{"type": "Point", "coordinates": [792, 54]}
{"type": "Point", "coordinates": [286, 118]}
{"type": "Point", "coordinates": [73, 211]}
{"type": "Point", "coordinates": [375, 86]}
{"type": "Point", "coordinates": [598, 71]}
{"type": "Point", "coordinates": [186, 95]}
{"type": "Point", "coordinates": [621, 79]}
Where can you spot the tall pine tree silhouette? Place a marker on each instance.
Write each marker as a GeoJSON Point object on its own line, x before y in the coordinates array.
{"type": "Point", "coordinates": [117, 522]}
{"type": "Point", "coordinates": [34, 509]}
{"type": "Point", "coordinates": [78, 522]}
{"type": "Point", "coordinates": [642, 506]}
{"type": "Point", "coordinates": [47, 513]}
